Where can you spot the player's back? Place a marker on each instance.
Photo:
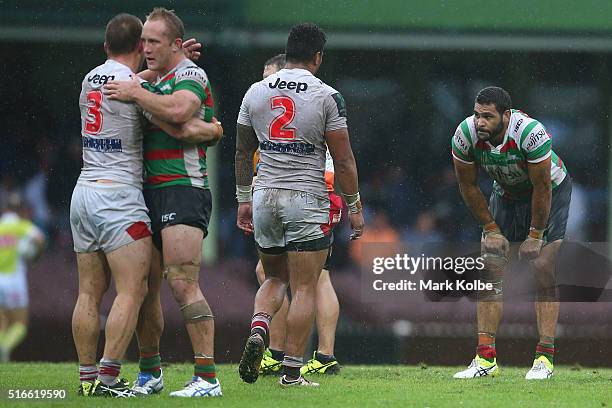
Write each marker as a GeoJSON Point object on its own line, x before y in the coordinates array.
{"type": "Point", "coordinates": [111, 130]}
{"type": "Point", "coordinates": [290, 112]}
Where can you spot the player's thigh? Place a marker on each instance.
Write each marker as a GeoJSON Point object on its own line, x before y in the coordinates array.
{"type": "Point", "coordinates": [274, 266]}
{"type": "Point", "coordinates": [176, 209]}
{"type": "Point", "coordinates": [126, 226]}
{"type": "Point", "coordinates": [156, 272]}
{"type": "Point", "coordinates": [94, 273]}
{"type": "Point", "coordinates": [267, 222]}
{"type": "Point", "coordinates": [305, 267]}
{"type": "Point", "coordinates": [84, 232]}
{"type": "Point", "coordinates": [182, 244]}
{"type": "Point", "coordinates": [306, 221]}
{"type": "Point", "coordinates": [130, 264]}
{"type": "Point", "coordinates": [546, 261]}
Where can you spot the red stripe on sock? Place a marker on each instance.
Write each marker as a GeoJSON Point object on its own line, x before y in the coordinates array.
{"type": "Point", "coordinates": [540, 349]}
{"type": "Point", "coordinates": [206, 375]}
{"type": "Point", "coordinates": [149, 355]}
{"type": "Point", "coordinates": [110, 371]}
{"type": "Point", "coordinates": [486, 351]}
{"type": "Point", "coordinates": [259, 324]}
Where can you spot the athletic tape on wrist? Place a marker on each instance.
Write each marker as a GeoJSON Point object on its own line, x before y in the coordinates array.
{"type": "Point", "coordinates": [244, 194]}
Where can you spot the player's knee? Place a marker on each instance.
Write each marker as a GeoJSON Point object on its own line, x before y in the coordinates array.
{"type": "Point", "coordinates": [493, 276]}
{"type": "Point", "coordinates": [183, 280]}
{"type": "Point", "coordinates": [196, 312]}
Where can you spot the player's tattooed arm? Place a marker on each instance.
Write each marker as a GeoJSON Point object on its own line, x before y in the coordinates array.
{"type": "Point", "coordinates": [539, 174]}
{"type": "Point", "coordinates": [246, 144]}
{"type": "Point", "coordinates": [345, 168]}
{"type": "Point", "coordinates": [467, 177]}
{"type": "Point", "coordinates": [194, 131]}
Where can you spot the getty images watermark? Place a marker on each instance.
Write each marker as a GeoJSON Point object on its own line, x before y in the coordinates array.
{"type": "Point", "coordinates": [412, 265]}
{"type": "Point", "coordinates": [438, 272]}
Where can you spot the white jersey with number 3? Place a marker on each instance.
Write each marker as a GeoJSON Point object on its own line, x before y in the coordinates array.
{"type": "Point", "coordinates": [111, 130]}
{"type": "Point", "coordinates": [290, 112]}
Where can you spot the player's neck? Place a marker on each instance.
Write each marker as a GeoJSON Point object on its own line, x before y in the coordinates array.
{"type": "Point", "coordinates": [300, 65]}
{"type": "Point", "coordinates": [499, 138]}
{"type": "Point", "coordinates": [176, 59]}
{"type": "Point", "coordinates": [131, 61]}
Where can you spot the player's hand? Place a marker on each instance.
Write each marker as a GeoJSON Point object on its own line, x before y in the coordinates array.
{"type": "Point", "coordinates": [192, 49]}
{"type": "Point", "coordinates": [123, 90]}
{"type": "Point", "coordinates": [495, 243]}
{"type": "Point", "coordinates": [530, 248]}
{"type": "Point", "coordinates": [244, 220]}
{"type": "Point", "coordinates": [219, 133]}
{"type": "Point", "coordinates": [357, 224]}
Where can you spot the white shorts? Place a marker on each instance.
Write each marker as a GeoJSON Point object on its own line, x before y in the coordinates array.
{"type": "Point", "coordinates": [107, 216]}
{"type": "Point", "coordinates": [285, 217]}
{"type": "Point", "coordinates": [13, 291]}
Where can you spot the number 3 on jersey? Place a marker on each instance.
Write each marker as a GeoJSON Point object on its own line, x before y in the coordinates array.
{"type": "Point", "coordinates": [278, 127]}
{"type": "Point", "coordinates": [93, 122]}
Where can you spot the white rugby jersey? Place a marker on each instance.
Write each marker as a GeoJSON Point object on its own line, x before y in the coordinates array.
{"type": "Point", "coordinates": [290, 112]}
{"type": "Point", "coordinates": [111, 130]}
{"type": "Point", "coordinates": [525, 141]}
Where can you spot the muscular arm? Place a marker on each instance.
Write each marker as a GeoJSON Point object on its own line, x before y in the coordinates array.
{"type": "Point", "coordinates": [178, 107]}
{"type": "Point", "coordinates": [539, 174]}
{"type": "Point", "coordinates": [345, 167]}
{"type": "Point", "coordinates": [467, 176]}
{"type": "Point", "coordinates": [194, 131]}
{"type": "Point", "coordinates": [246, 144]}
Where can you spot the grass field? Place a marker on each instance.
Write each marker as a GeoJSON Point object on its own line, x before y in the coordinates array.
{"type": "Point", "coordinates": [363, 386]}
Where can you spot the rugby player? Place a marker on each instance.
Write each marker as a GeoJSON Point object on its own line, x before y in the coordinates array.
{"type": "Point", "coordinates": [291, 116]}
{"type": "Point", "coordinates": [20, 241]}
{"type": "Point", "coordinates": [327, 307]}
{"type": "Point", "coordinates": [109, 220]}
{"type": "Point", "coordinates": [178, 197]}
{"type": "Point", "coordinates": [529, 204]}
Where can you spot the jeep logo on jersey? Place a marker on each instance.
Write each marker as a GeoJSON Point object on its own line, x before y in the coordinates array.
{"type": "Point", "coordinates": [534, 138]}
{"type": "Point", "coordinates": [291, 85]}
{"type": "Point", "coordinates": [100, 79]}
{"type": "Point", "coordinates": [518, 125]}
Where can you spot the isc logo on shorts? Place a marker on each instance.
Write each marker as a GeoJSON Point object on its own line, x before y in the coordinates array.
{"type": "Point", "coordinates": [168, 217]}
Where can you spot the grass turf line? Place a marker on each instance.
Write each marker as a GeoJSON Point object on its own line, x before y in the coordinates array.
{"type": "Point", "coordinates": [364, 386]}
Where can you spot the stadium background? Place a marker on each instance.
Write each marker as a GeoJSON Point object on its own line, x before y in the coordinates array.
{"type": "Point", "coordinates": [409, 71]}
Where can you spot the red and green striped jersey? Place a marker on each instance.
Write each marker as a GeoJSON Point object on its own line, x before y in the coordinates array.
{"type": "Point", "coordinates": [525, 141]}
{"type": "Point", "coordinates": [169, 162]}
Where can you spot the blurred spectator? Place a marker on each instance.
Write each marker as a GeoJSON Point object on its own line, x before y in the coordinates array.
{"type": "Point", "coordinates": [378, 230]}
{"type": "Point", "coordinates": [423, 230]}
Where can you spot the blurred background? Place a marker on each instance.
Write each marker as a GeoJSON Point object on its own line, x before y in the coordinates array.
{"type": "Point", "coordinates": [409, 71]}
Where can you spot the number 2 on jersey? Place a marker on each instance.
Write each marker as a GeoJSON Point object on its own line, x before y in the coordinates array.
{"type": "Point", "coordinates": [93, 121]}
{"type": "Point", "coordinates": [278, 126]}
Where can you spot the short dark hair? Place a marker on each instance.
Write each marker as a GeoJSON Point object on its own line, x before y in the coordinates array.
{"type": "Point", "coordinates": [496, 96]}
{"type": "Point", "coordinates": [304, 41]}
{"type": "Point", "coordinates": [174, 25]}
{"type": "Point", "coordinates": [278, 61]}
{"type": "Point", "coordinates": [122, 34]}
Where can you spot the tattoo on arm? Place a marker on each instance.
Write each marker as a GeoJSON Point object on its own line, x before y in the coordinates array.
{"type": "Point", "coordinates": [246, 144]}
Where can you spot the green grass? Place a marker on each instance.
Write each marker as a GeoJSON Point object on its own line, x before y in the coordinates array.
{"type": "Point", "coordinates": [363, 386]}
